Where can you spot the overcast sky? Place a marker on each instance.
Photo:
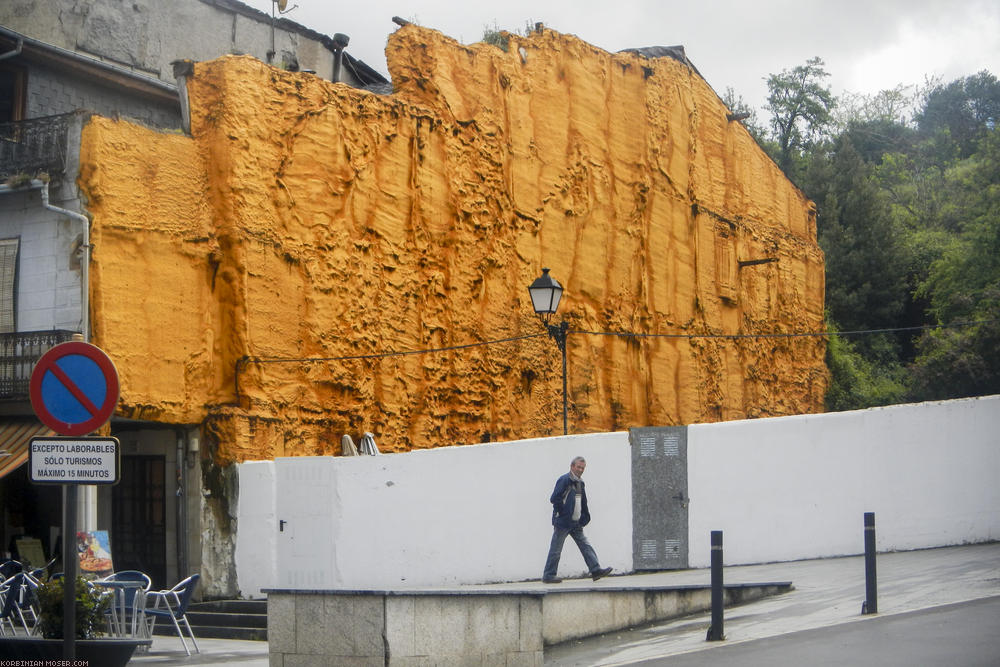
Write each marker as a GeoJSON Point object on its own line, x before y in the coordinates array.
{"type": "Point", "coordinates": [867, 45]}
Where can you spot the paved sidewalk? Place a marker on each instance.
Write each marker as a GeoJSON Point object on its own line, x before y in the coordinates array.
{"type": "Point", "coordinates": [827, 592]}
{"type": "Point", "coordinates": [167, 651]}
{"type": "Point", "coordinates": [964, 634]}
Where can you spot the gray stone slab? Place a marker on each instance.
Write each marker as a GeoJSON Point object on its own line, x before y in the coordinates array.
{"type": "Point", "coordinates": [464, 626]}
{"type": "Point", "coordinates": [326, 661]}
{"type": "Point", "coordinates": [335, 625]}
{"type": "Point", "coordinates": [281, 623]}
{"type": "Point", "coordinates": [530, 639]}
{"type": "Point", "coordinates": [400, 625]}
{"type": "Point", "coordinates": [574, 615]}
{"type": "Point", "coordinates": [526, 659]}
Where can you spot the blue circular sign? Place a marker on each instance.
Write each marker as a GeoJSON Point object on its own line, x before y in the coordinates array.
{"type": "Point", "coordinates": [74, 388]}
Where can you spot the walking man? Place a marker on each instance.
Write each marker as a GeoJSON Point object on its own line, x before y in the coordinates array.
{"type": "Point", "coordinates": [569, 515]}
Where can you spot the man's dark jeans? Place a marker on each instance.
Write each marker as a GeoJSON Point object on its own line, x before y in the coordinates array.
{"type": "Point", "coordinates": [555, 549]}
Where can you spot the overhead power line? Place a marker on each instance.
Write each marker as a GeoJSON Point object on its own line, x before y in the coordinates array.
{"type": "Point", "coordinates": [247, 360]}
{"type": "Point", "coordinates": [811, 334]}
{"type": "Point", "coordinates": [379, 355]}
{"type": "Point", "coordinates": [242, 362]}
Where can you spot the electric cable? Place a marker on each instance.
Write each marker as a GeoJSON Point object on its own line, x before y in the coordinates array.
{"type": "Point", "coordinates": [622, 334]}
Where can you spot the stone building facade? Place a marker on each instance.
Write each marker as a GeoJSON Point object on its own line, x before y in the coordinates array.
{"type": "Point", "coordinates": [61, 62]}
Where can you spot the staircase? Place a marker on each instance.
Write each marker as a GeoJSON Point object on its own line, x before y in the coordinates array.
{"type": "Point", "coordinates": [224, 619]}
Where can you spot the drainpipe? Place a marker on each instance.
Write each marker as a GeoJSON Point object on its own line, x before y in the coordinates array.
{"type": "Point", "coordinates": [84, 259]}
{"type": "Point", "coordinates": [183, 70]}
{"type": "Point", "coordinates": [195, 539]}
{"type": "Point", "coordinates": [340, 42]}
{"type": "Point", "coordinates": [15, 52]}
{"type": "Point", "coordinates": [84, 221]}
{"type": "Point", "coordinates": [87, 505]}
{"type": "Point", "coordinates": [182, 528]}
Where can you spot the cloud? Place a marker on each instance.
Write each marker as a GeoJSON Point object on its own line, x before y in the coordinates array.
{"type": "Point", "coordinates": [868, 45]}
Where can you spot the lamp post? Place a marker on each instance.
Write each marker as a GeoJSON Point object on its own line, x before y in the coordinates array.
{"type": "Point", "coordinates": [545, 295]}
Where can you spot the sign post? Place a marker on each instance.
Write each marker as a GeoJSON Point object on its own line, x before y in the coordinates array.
{"type": "Point", "coordinates": [69, 571]}
{"type": "Point", "coordinates": [74, 390]}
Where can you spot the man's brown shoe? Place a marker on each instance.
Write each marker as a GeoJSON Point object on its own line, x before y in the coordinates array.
{"type": "Point", "coordinates": [601, 573]}
{"type": "Point", "coordinates": [553, 580]}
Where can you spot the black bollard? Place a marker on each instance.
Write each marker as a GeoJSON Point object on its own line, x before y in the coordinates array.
{"type": "Point", "coordinates": [870, 605]}
{"type": "Point", "coordinates": [715, 633]}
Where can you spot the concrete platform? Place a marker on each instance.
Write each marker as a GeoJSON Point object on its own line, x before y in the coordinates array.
{"type": "Point", "coordinates": [499, 624]}
{"type": "Point", "coordinates": [825, 593]}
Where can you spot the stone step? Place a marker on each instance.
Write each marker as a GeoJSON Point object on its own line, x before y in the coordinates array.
{"type": "Point", "coordinates": [224, 619]}
{"type": "Point", "coordinates": [214, 632]}
{"type": "Point", "coordinates": [231, 606]}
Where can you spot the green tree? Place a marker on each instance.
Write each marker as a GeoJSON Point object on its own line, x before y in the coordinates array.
{"type": "Point", "coordinates": [857, 382]}
{"type": "Point", "coordinates": [955, 116]}
{"type": "Point", "coordinates": [865, 260]}
{"type": "Point", "coordinates": [877, 124]}
{"type": "Point", "coordinates": [864, 254]}
{"type": "Point", "coordinates": [963, 285]}
{"type": "Point", "coordinates": [800, 108]}
{"type": "Point", "coordinates": [738, 106]}
{"type": "Point", "coordinates": [893, 105]}
{"type": "Point", "coordinates": [958, 362]}
{"type": "Point", "coordinates": [909, 220]}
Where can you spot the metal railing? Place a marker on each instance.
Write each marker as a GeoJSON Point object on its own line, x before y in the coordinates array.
{"type": "Point", "coordinates": [32, 146]}
{"type": "Point", "coordinates": [18, 354]}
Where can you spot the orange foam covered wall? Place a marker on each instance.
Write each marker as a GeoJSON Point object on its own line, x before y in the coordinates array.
{"type": "Point", "coordinates": [260, 276]}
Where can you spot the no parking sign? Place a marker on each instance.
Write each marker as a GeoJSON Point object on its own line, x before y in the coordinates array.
{"type": "Point", "coordinates": [74, 388]}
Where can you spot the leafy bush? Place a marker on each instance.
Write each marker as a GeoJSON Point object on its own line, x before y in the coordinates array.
{"type": "Point", "coordinates": [91, 610]}
{"type": "Point", "coordinates": [856, 382]}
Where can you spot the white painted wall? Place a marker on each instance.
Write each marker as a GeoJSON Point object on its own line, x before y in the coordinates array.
{"type": "Point", "coordinates": [798, 487]}
{"type": "Point", "coordinates": [48, 281]}
{"type": "Point", "coordinates": [478, 513]}
{"type": "Point", "coordinates": [780, 489]}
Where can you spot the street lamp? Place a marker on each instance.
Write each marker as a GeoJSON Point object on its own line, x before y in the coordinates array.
{"type": "Point", "coordinates": [545, 295]}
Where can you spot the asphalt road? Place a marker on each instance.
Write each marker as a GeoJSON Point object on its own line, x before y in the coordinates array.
{"type": "Point", "coordinates": [827, 595]}
{"type": "Point", "coordinates": [966, 634]}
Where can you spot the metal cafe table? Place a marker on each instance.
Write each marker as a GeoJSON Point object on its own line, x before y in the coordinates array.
{"type": "Point", "coordinates": [127, 606]}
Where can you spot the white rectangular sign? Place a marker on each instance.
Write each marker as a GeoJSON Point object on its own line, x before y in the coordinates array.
{"type": "Point", "coordinates": [87, 460]}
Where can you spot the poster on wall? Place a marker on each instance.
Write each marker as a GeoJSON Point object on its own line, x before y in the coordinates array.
{"type": "Point", "coordinates": [94, 548]}
{"type": "Point", "coordinates": [30, 551]}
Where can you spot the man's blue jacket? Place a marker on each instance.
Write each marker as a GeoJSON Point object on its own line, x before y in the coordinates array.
{"type": "Point", "coordinates": [563, 499]}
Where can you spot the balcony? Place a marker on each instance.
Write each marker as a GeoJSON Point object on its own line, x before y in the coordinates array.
{"type": "Point", "coordinates": [33, 146]}
{"type": "Point", "coordinates": [18, 354]}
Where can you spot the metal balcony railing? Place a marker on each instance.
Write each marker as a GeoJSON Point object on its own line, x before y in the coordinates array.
{"type": "Point", "coordinates": [18, 354]}
{"type": "Point", "coordinates": [28, 147]}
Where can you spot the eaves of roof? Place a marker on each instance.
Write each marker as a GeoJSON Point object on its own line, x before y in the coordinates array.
{"type": "Point", "coordinates": [263, 17]}
{"type": "Point", "coordinates": [35, 51]}
{"type": "Point", "coordinates": [365, 74]}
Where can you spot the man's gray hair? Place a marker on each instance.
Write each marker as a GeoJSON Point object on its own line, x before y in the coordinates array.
{"type": "Point", "coordinates": [577, 458]}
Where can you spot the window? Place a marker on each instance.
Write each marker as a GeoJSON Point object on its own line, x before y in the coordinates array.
{"type": "Point", "coordinates": [8, 285]}
{"type": "Point", "coordinates": [726, 273]}
{"type": "Point", "coordinates": [11, 93]}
